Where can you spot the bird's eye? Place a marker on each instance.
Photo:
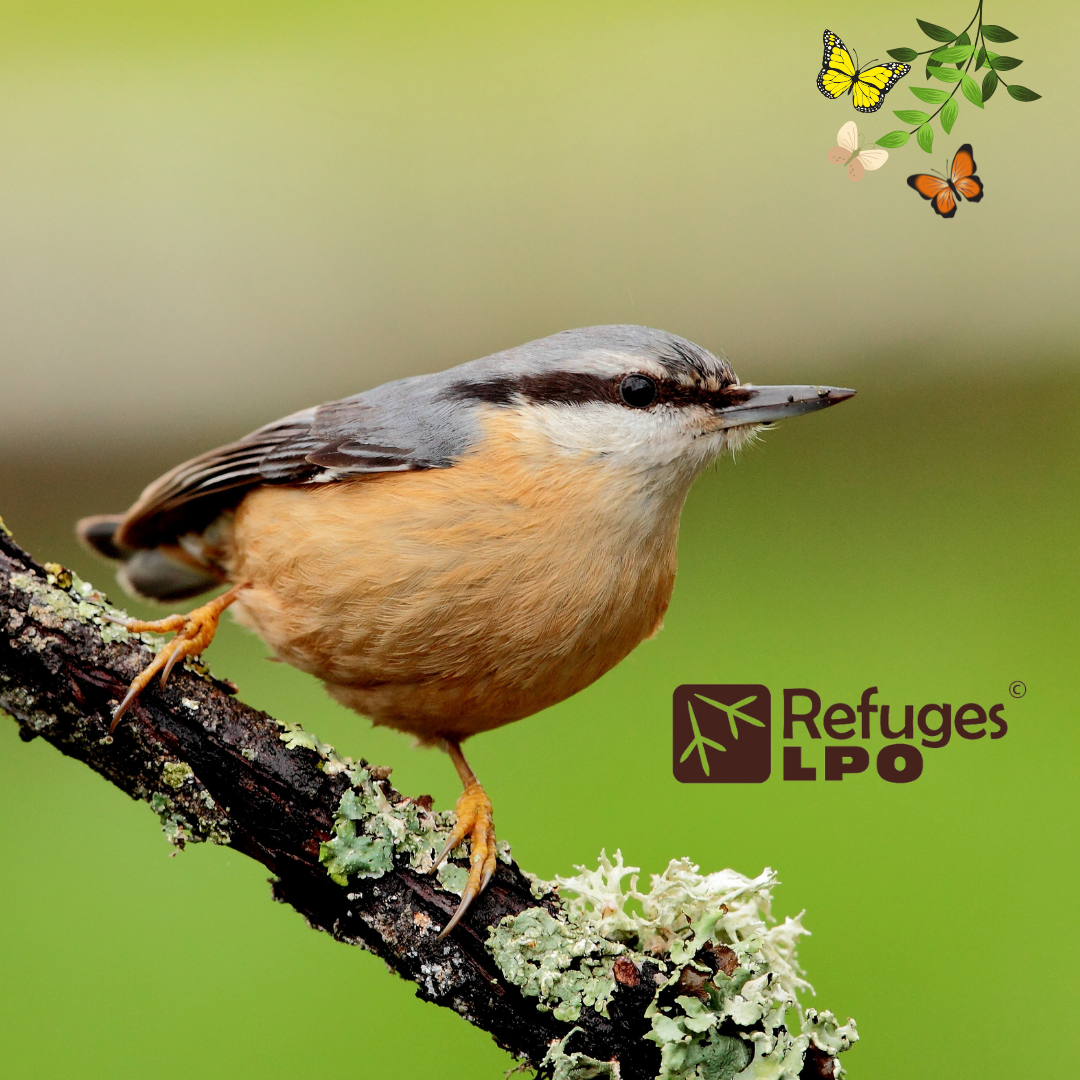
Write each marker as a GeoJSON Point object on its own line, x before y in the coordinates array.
{"type": "Point", "coordinates": [638, 391]}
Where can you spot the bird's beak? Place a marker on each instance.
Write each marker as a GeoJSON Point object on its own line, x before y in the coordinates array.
{"type": "Point", "coordinates": [768, 403]}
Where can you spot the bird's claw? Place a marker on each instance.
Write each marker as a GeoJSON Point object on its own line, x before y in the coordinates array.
{"type": "Point", "coordinates": [194, 631]}
{"type": "Point", "coordinates": [474, 820]}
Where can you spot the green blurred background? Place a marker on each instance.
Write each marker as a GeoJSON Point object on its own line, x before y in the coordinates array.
{"type": "Point", "coordinates": [212, 214]}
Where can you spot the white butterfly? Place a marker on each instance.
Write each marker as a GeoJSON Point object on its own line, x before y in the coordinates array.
{"type": "Point", "coordinates": [848, 153]}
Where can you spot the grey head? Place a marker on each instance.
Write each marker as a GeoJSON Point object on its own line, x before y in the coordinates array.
{"type": "Point", "coordinates": [619, 386]}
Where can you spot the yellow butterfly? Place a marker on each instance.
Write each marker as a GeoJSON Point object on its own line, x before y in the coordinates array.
{"type": "Point", "coordinates": [867, 86]}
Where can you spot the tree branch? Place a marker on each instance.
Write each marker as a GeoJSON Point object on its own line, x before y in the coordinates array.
{"type": "Point", "coordinates": [60, 678]}
{"type": "Point", "coordinates": [216, 769]}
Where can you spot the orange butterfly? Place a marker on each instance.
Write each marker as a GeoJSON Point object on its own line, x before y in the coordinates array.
{"type": "Point", "coordinates": [946, 193]}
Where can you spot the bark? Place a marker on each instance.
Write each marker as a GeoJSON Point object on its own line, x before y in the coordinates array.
{"type": "Point", "coordinates": [62, 672]}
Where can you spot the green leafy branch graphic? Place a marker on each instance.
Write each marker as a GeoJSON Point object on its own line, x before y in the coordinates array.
{"type": "Point", "coordinates": [733, 714]}
{"type": "Point", "coordinates": [950, 61]}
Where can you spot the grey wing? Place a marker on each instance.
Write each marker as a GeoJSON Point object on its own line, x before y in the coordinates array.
{"type": "Point", "coordinates": [425, 422]}
{"type": "Point", "coordinates": [393, 428]}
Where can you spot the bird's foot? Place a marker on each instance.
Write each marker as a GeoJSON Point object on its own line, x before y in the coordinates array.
{"type": "Point", "coordinates": [194, 631]}
{"type": "Point", "coordinates": [473, 821]}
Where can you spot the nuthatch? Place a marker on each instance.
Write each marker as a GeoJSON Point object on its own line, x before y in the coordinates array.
{"type": "Point", "coordinates": [455, 551]}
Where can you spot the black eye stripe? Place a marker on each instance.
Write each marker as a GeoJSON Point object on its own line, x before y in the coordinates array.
{"type": "Point", "coordinates": [558, 387]}
{"type": "Point", "coordinates": [580, 388]}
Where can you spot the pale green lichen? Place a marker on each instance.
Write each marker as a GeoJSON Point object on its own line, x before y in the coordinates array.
{"type": "Point", "coordinates": [293, 736]}
{"type": "Point", "coordinates": [691, 1045]}
{"type": "Point", "coordinates": [184, 820]}
{"type": "Point", "coordinates": [371, 831]}
{"type": "Point", "coordinates": [174, 773]}
{"type": "Point", "coordinates": [827, 1033]}
{"type": "Point", "coordinates": [538, 887]}
{"type": "Point", "coordinates": [682, 924]}
{"type": "Point", "coordinates": [728, 1026]}
{"type": "Point", "coordinates": [567, 961]}
{"type": "Point", "coordinates": [174, 824]}
{"type": "Point", "coordinates": [366, 853]}
{"type": "Point", "coordinates": [55, 574]}
{"type": "Point", "coordinates": [562, 1064]}
{"type": "Point", "coordinates": [565, 964]}
{"type": "Point", "coordinates": [452, 877]}
{"type": "Point", "coordinates": [64, 596]}
{"type": "Point", "coordinates": [189, 816]}
{"type": "Point", "coordinates": [24, 707]}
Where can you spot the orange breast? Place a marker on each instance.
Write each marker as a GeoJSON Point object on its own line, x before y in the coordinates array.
{"type": "Point", "coordinates": [451, 601]}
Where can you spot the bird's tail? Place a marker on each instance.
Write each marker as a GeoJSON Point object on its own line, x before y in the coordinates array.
{"type": "Point", "coordinates": [162, 573]}
{"type": "Point", "coordinates": [99, 534]}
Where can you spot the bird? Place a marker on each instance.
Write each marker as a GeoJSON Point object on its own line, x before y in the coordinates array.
{"type": "Point", "coordinates": [454, 551]}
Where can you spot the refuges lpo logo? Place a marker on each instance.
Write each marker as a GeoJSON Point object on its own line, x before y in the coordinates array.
{"type": "Point", "coordinates": [722, 733]}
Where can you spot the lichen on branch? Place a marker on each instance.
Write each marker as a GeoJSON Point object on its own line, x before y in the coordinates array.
{"type": "Point", "coordinates": [578, 978]}
{"type": "Point", "coordinates": [724, 980]}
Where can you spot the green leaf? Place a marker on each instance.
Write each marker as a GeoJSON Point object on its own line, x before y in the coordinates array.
{"type": "Point", "coordinates": [971, 90]}
{"type": "Point", "coordinates": [1005, 63]}
{"type": "Point", "coordinates": [925, 135]}
{"type": "Point", "coordinates": [905, 56]}
{"type": "Point", "coordinates": [1022, 93]}
{"type": "Point", "coordinates": [998, 34]}
{"type": "Point", "coordinates": [950, 56]}
{"type": "Point", "coordinates": [963, 39]}
{"type": "Point", "coordinates": [990, 81]}
{"type": "Point", "coordinates": [911, 116]}
{"type": "Point", "coordinates": [939, 33]}
{"type": "Point", "coordinates": [929, 94]}
{"type": "Point", "coordinates": [945, 74]}
{"type": "Point", "coordinates": [894, 139]}
{"type": "Point", "coordinates": [948, 115]}
{"type": "Point", "coordinates": [981, 58]}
